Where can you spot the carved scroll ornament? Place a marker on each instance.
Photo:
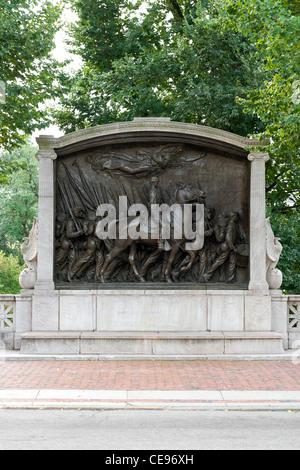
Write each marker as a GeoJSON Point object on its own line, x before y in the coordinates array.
{"type": "Point", "coordinates": [274, 249]}
{"type": "Point", "coordinates": [28, 276]}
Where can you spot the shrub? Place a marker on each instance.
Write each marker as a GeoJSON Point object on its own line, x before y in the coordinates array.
{"type": "Point", "coordinates": [10, 270]}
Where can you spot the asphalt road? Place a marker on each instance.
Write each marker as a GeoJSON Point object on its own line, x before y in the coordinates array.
{"type": "Point", "coordinates": [148, 430]}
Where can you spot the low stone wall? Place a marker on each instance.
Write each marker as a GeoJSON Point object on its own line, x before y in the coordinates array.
{"type": "Point", "coordinates": [15, 319]}
{"type": "Point", "coordinates": [163, 311]}
{"type": "Point", "coordinates": [7, 321]}
{"type": "Point", "coordinates": [293, 305]}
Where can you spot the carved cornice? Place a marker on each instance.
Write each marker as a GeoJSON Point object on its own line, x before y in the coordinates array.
{"type": "Point", "coordinates": [46, 142]}
{"type": "Point", "coordinates": [147, 125]}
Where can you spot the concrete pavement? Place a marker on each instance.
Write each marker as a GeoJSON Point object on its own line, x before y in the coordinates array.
{"type": "Point", "coordinates": [150, 399]}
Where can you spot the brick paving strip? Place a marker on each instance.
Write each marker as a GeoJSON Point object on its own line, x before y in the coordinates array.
{"type": "Point", "coordinates": [150, 384]}
{"type": "Point", "coordinates": [150, 375]}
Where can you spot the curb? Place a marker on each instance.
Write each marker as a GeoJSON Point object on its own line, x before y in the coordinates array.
{"type": "Point", "coordinates": [150, 400]}
{"type": "Point", "coordinates": [14, 355]}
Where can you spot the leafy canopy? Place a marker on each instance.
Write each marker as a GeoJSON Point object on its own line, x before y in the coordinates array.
{"type": "Point", "coordinates": [27, 31]}
{"type": "Point", "coordinates": [230, 64]}
{"type": "Point", "coordinates": [163, 61]}
{"type": "Point", "coordinates": [10, 270]}
{"type": "Point", "coordinates": [18, 199]}
{"type": "Point", "coordinates": [274, 29]}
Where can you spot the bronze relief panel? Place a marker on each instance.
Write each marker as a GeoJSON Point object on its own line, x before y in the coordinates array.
{"type": "Point", "coordinates": [151, 173]}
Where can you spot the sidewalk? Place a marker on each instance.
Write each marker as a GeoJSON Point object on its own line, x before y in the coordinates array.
{"type": "Point", "coordinates": [150, 384]}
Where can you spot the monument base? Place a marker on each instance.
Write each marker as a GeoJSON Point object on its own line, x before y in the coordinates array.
{"type": "Point", "coordinates": [151, 323]}
{"type": "Point", "coordinates": [152, 344]}
{"type": "Point", "coordinates": [151, 310]}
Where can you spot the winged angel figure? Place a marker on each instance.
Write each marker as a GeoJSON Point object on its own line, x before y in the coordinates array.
{"type": "Point", "coordinates": [274, 249]}
{"type": "Point", "coordinates": [146, 162]}
{"type": "Point", "coordinates": [28, 276]}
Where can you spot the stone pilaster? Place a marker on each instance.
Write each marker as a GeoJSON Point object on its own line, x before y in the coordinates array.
{"type": "Point", "coordinates": [258, 222]}
{"type": "Point", "coordinates": [46, 157]}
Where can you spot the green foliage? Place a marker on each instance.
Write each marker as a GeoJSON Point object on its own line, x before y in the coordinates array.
{"type": "Point", "coordinates": [171, 60]}
{"type": "Point", "coordinates": [18, 199]}
{"type": "Point", "coordinates": [230, 64]}
{"type": "Point", "coordinates": [287, 228]}
{"type": "Point", "coordinates": [10, 270]}
{"type": "Point", "coordinates": [274, 31]}
{"type": "Point", "coordinates": [27, 30]}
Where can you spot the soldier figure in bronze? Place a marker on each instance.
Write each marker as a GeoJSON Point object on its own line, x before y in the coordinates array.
{"type": "Point", "coordinates": [151, 174]}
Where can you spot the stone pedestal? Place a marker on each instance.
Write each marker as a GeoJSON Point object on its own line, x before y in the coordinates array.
{"type": "Point", "coordinates": [153, 322]}
{"type": "Point", "coordinates": [45, 311]}
{"type": "Point", "coordinates": [152, 345]}
{"type": "Point", "coordinates": [151, 310]}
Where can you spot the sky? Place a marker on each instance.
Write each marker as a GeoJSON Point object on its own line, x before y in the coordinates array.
{"type": "Point", "coordinates": [60, 53]}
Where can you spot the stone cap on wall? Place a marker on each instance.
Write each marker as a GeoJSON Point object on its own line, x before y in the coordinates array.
{"type": "Point", "coordinates": [145, 128]}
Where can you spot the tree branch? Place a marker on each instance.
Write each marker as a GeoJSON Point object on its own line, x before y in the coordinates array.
{"type": "Point", "coordinates": [286, 209]}
{"type": "Point", "coordinates": [175, 9]}
{"type": "Point", "coordinates": [274, 183]}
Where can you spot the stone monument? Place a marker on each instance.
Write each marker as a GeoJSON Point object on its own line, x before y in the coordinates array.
{"type": "Point", "coordinates": [150, 295]}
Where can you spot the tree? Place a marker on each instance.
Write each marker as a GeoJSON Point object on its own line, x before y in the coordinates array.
{"type": "Point", "coordinates": [231, 64]}
{"type": "Point", "coordinates": [10, 270]}
{"type": "Point", "coordinates": [27, 30]}
{"type": "Point", "coordinates": [287, 227]}
{"type": "Point", "coordinates": [18, 200]}
{"type": "Point", "coordinates": [168, 61]}
{"type": "Point", "coordinates": [273, 28]}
